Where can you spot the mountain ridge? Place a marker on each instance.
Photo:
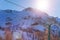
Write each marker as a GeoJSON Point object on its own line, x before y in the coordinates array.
{"type": "Point", "coordinates": [29, 21]}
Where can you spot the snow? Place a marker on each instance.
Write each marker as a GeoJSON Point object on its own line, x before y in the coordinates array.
{"type": "Point", "coordinates": [58, 20]}
{"type": "Point", "coordinates": [17, 35]}
{"type": "Point", "coordinates": [2, 33]}
{"type": "Point", "coordinates": [18, 21]}
{"type": "Point", "coordinates": [55, 29]}
{"type": "Point", "coordinates": [39, 27]}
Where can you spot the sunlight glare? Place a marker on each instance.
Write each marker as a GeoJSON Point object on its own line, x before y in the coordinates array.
{"type": "Point", "coordinates": [42, 5]}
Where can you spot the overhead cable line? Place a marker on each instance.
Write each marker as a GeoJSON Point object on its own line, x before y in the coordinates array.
{"type": "Point", "coordinates": [14, 3]}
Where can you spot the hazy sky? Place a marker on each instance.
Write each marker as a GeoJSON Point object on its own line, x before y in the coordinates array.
{"type": "Point", "coordinates": [54, 9]}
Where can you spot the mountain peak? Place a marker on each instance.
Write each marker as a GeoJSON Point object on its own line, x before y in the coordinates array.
{"type": "Point", "coordinates": [34, 10]}
{"type": "Point", "coordinates": [29, 9]}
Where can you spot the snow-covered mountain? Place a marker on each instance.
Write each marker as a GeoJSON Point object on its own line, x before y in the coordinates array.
{"type": "Point", "coordinates": [28, 20]}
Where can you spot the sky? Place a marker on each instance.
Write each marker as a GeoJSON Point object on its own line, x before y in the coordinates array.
{"type": "Point", "coordinates": [53, 9]}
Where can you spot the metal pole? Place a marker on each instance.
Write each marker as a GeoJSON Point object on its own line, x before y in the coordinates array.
{"type": "Point", "coordinates": [59, 35]}
{"type": "Point", "coordinates": [49, 32]}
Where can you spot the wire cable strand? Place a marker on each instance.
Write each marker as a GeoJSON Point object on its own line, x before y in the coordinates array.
{"type": "Point", "coordinates": [14, 3]}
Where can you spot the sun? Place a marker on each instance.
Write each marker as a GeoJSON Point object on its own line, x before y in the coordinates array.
{"type": "Point", "coordinates": [42, 5]}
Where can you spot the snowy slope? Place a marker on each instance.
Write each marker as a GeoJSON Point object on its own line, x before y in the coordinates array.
{"type": "Point", "coordinates": [28, 18]}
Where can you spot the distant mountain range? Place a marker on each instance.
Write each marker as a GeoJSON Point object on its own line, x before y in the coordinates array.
{"type": "Point", "coordinates": [29, 19]}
